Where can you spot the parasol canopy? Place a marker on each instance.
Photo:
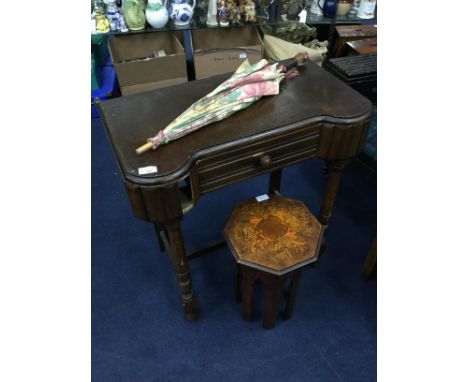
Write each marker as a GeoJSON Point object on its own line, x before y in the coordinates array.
{"type": "Point", "coordinates": [247, 85]}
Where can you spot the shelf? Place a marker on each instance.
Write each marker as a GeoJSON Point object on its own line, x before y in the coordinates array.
{"type": "Point", "coordinates": [339, 20]}
{"type": "Point", "coordinates": [199, 22]}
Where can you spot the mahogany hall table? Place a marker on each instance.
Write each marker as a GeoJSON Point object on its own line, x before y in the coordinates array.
{"type": "Point", "coordinates": [315, 115]}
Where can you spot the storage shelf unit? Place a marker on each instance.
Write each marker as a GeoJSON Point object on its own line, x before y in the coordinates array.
{"type": "Point", "coordinates": [325, 27]}
{"type": "Point", "coordinates": [199, 22]}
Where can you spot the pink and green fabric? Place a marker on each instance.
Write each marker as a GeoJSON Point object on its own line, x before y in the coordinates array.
{"type": "Point", "coordinates": [247, 85]}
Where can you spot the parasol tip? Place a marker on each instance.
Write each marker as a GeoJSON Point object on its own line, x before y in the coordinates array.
{"type": "Point", "coordinates": [145, 147]}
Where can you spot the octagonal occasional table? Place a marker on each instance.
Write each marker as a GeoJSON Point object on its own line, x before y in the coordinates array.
{"type": "Point", "coordinates": [271, 240]}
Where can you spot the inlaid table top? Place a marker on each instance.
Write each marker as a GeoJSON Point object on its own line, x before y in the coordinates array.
{"type": "Point", "coordinates": [276, 235]}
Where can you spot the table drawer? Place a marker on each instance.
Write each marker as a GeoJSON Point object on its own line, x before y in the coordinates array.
{"type": "Point", "coordinates": [255, 158]}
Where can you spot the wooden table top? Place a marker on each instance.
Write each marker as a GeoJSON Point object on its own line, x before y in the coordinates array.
{"type": "Point", "coordinates": [315, 96]}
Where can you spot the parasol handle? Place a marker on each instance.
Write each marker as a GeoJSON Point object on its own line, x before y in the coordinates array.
{"type": "Point", "coordinates": [299, 60]}
{"type": "Point", "coordinates": [145, 147]}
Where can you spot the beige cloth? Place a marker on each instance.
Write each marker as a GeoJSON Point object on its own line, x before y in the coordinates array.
{"type": "Point", "coordinates": [277, 49]}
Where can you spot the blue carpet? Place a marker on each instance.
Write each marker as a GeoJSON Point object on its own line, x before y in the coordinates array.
{"type": "Point", "coordinates": [138, 330]}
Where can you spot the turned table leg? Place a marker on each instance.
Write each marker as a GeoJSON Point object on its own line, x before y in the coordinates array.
{"type": "Point", "coordinates": [335, 169]}
{"type": "Point", "coordinates": [274, 182]}
{"type": "Point", "coordinates": [180, 264]}
{"type": "Point", "coordinates": [159, 229]}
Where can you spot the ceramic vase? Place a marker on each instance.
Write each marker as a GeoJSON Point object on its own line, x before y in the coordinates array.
{"type": "Point", "coordinates": [329, 8]}
{"type": "Point", "coordinates": [211, 19]}
{"type": "Point", "coordinates": [223, 14]}
{"type": "Point", "coordinates": [134, 15]}
{"type": "Point", "coordinates": [181, 12]}
{"type": "Point", "coordinates": [156, 13]}
{"type": "Point", "coordinates": [366, 9]}
{"type": "Point", "coordinates": [343, 7]}
{"type": "Point", "coordinates": [316, 7]}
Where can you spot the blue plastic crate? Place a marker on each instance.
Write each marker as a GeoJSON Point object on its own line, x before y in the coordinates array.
{"type": "Point", "coordinates": [107, 89]}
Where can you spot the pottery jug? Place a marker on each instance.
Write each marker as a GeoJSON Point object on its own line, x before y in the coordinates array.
{"type": "Point", "coordinates": [366, 9]}
{"type": "Point", "coordinates": [181, 11]}
{"type": "Point", "coordinates": [134, 14]}
{"type": "Point", "coordinates": [329, 8]}
{"type": "Point", "coordinates": [156, 13]}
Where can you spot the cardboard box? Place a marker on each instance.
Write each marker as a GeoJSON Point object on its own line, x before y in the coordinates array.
{"type": "Point", "coordinates": [222, 50]}
{"type": "Point", "coordinates": [137, 68]}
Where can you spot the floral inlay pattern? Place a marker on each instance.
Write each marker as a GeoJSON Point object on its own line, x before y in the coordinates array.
{"type": "Point", "coordinates": [277, 233]}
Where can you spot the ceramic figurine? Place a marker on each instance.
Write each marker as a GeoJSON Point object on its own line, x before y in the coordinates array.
{"type": "Point", "coordinates": [230, 5]}
{"type": "Point", "coordinates": [112, 14]}
{"type": "Point", "coordinates": [99, 6]}
{"type": "Point", "coordinates": [223, 15]}
{"type": "Point", "coordinates": [102, 24]}
{"type": "Point", "coordinates": [211, 16]}
{"type": "Point", "coordinates": [250, 12]}
{"type": "Point", "coordinates": [294, 8]}
{"type": "Point", "coordinates": [181, 12]}
{"type": "Point", "coordinates": [237, 12]}
{"type": "Point", "coordinates": [156, 13]}
{"type": "Point", "coordinates": [134, 14]}
{"type": "Point", "coordinates": [111, 9]}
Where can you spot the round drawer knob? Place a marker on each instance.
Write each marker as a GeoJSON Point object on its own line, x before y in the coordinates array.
{"type": "Point", "coordinates": [265, 161]}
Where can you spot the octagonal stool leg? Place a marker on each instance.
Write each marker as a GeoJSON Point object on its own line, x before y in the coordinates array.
{"type": "Point", "coordinates": [292, 293]}
{"type": "Point", "coordinates": [238, 282]}
{"type": "Point", "coordinates": [248, 280]}
{"type": "Point", "coordinates": [272, 293]}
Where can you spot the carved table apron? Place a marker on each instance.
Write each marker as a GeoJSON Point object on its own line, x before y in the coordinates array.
{"type": "Point", "coordinates": [315, 115]}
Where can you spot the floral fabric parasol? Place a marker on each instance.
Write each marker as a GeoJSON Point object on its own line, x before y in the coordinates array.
{"type": "Point", "coordinates": [247, 85]}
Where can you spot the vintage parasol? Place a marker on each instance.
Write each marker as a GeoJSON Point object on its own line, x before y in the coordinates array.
{"type": "Point", "coordinates": [247, 85]}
